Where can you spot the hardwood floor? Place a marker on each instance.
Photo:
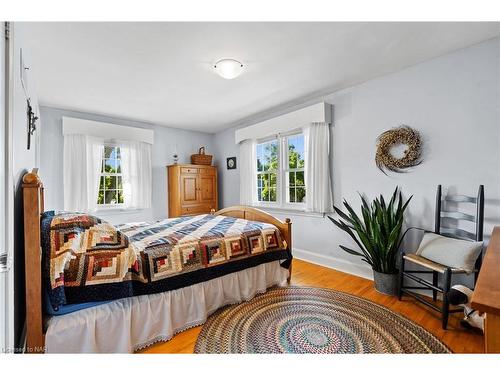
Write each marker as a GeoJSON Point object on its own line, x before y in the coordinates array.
{"type": "Point", "coordinates": [308, 274]}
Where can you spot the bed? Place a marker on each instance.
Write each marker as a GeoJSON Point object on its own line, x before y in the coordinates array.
{"type": "Point", "coordinates": [135, 284]}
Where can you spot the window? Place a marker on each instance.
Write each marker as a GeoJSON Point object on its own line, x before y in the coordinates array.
{"type": "Point", "coordinates": [110, 183]}
{"type": "Point", "coordinates": [281, 171]}
{"type": "Point", "coordinates": [294, 168]}
{"type": "Point", "coordinates": [267, 171]}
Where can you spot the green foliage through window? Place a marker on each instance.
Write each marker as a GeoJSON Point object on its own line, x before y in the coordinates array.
{"type": "Point", "coordinates": [267, 168]}
{"type": "Point", "coordinates": [111, 184]}
{"type": "Point", "coordinates": [296, 188]}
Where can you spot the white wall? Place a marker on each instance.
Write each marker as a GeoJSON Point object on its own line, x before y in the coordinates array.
{"type": "Point", "coordinates": [165, 141]}
{"type": "Point", "coordinates": [453, 100]}
{"type": "Point", "coordinates": [23, 160]}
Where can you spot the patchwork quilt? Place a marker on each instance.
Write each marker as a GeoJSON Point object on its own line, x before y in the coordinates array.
{"type": "Point", "coordinates": [86, 259]}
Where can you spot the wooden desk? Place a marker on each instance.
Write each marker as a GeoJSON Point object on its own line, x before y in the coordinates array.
{"type": "Point", "coordinates": [486, 297]}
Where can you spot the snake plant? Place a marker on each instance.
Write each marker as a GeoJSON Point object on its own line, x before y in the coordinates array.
{"type": "Point", "coordinates": [377, 232]}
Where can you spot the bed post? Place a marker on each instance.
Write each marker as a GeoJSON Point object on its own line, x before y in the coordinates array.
{"type": "Point", "coordinates": [33, 208]}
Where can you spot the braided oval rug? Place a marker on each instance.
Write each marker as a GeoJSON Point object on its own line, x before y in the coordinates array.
{"type": "Point", "coordinates": [312, 320]}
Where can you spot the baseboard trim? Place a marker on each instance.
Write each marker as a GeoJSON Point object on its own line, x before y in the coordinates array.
{"type": "Point", "coordinates": [335, 263]}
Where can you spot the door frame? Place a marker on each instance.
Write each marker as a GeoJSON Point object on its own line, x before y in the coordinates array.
{"type": "Point", "coordinates": [7, 193]}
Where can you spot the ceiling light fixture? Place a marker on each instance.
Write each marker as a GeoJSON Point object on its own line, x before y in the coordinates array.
{"type": "Point", "coordinates": [228, 68]}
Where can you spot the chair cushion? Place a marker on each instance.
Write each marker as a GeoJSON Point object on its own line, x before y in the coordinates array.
{"type": "Point", "coordinates": [450, 252]}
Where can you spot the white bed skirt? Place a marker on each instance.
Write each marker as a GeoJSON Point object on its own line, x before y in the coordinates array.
{"type": "Point", "coordinates": [129, 324]}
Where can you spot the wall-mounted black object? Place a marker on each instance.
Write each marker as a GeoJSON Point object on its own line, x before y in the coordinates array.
{"type": "Point", "coordinates": [31, 122]}
{"type": "Point", "coordinates": [231, 162]}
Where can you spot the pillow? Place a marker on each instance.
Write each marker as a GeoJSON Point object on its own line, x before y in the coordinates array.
{"type": "Point", "coordinates": [450, 252]}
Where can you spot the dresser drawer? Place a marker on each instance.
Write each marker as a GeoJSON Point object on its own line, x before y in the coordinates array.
{"type": "Point", "coordinates": [207, 171]}
{"type": "Point", "coordinates": [189, 170]}
{"type": "Point", "coordinates": [198, 209]}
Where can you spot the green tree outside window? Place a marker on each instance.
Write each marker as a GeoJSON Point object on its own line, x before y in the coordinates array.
{"type": "Point", "coordinates": [110, 182]}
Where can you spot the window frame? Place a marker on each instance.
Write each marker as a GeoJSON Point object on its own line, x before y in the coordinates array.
{"type": "Point", "coordinates": [282, 196]}
{"type": "Point", "coordinates": [110, 206]}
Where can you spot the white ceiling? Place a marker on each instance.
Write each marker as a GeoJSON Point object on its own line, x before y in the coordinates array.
{"type": "Point", "coordinates": [162, 72]}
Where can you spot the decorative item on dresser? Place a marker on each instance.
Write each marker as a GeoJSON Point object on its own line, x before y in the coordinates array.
{"type": "Point", "coordinates": [192, 189]}
{"type": "Point", "coordinates": [201, 158]}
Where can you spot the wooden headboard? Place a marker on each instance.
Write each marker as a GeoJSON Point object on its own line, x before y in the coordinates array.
{"type": "Point", "coordinates": [33, 202]}
{"type": "Point", "coordinates": [254, 214]}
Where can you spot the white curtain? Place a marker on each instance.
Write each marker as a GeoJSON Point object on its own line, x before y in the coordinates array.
{"type": "Point", "coordinates": [136, 171]}
{"type": "Point", "coordinates": [248, 166]}
{"type": "Point", "coordinates": [81, 169]}
{"type": "Point", "coordinates": [318, 183]}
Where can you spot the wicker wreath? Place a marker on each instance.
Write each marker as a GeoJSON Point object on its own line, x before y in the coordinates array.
{"type": "Point", "coordinates": [402, 135]}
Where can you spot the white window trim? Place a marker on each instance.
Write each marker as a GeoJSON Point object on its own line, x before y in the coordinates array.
{"type": "Point", "coordinates": [281, 186]}
{"type": "Point", "coordinates": [289, 211]}
{"type": "Point", "coordinates": [113, 210]}
{"type": "Point", "coordinates": [106, 131]}
{"type": "Point", "coordinates": [110, 207]}
{"type": "Point", "coordinates": [319, 112]}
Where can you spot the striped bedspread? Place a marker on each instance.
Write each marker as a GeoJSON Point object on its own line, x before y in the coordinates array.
{"type": "Point", "coordinates": [87, 259]}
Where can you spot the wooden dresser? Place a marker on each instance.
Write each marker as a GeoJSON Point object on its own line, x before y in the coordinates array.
{"type": "Point", "coordinates": [192, 189]}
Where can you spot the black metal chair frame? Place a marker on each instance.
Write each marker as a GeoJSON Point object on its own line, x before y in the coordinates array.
{"type": "Point", "coordinates": [478, 219]}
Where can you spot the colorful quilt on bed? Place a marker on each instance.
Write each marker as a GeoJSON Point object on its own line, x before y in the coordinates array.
{"type": "Point", "coordinates": [87, 259]}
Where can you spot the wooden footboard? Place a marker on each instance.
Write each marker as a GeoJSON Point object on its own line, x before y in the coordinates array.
{"type": "Point", "coordinates": [254, 214]}
{"type": "Point", "coordinates": [33, 208]}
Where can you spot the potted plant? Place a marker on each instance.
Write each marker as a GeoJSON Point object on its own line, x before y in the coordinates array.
{"type": "Point", "coordinates": [378, 235]}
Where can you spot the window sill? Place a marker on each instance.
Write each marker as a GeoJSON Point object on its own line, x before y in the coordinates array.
{"type": "Point", "coordinates": [288, 211]}
{"type": "Point", "coordinates": [115, 211]}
